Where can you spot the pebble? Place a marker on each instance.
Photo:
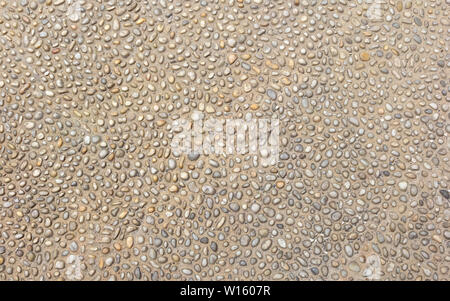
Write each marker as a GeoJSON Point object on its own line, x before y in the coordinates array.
{"type": "Point", "coordinates": [348, 250]}
{"type": "Point", "coordinates": [282, 243]}
{"type": "Point", "coordinates": [445, 193]}
{"type": "Point", "coordinates": [193, 156]}
{"type": "Point", "coordinates": [103, 153]}
{"type": "Point", "coordinates": [244, 241]}
{"type": "Point", "coordinates": [354, 267]}
{"type": "Point", "coordinates": [271, 94]}
{"type": "Point", "coordinates": [232, 58]}
{"type": "Point", "coordinates": [365, 56]}
{"type": "Point", "coordinates": [231, 42]}
{"type": "Point", "coordinates": [59, 264]}
{"type": "Point", "coordinates": [266, 244]}
{"type": "Point", "coordinates": [403, 186]}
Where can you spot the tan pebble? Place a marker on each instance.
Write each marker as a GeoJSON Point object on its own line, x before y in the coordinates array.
{"type": "Point", "coordinates": [365, 56]}
{"type": "Point", "coordinates": [130, 242]}
{"type": "Point", "coordinates": [272, 65]}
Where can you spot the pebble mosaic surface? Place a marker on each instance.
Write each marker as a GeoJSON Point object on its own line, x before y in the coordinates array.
{"type": "Point", "coordinates": [91, 190]}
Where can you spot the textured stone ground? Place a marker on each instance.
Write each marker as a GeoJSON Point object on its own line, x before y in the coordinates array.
{"type": "Point", "coordinates": [90, 188]}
